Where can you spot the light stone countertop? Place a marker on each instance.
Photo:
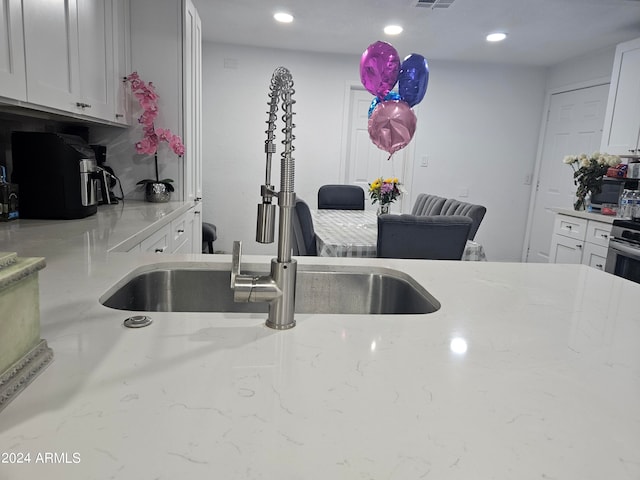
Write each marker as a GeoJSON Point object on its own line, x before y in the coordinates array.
{"type": "Point", "coordinates": [598, 217]}
{"type": "Point", "coordinates": [547, 388]}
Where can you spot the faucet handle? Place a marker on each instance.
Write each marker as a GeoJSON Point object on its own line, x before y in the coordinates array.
{"type": "Point", "coordinates": [235, 262]}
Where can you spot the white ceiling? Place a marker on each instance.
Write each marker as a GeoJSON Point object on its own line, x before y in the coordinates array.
{"type": "Point", "coordinates": [541, 32]}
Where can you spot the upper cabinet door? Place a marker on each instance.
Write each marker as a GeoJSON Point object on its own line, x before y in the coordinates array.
{"type": "Point", "coordinates": [12, 68]}
{"type": "Point", "coordinates": [122, 59]}
{"type": "Point", "coordinates": [95, 54]}
{"type": "Point", "coordinates": [192, 81]}
{"type": "Point", "coordinates": [622, 118]}
{"type": "Point", "coordinates": [51, 43]}
{"type": "Point", "coordinates": [69, 56]}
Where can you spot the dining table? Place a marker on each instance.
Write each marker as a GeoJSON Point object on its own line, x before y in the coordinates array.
{"type": "Point", "coordinates": [354, 233]}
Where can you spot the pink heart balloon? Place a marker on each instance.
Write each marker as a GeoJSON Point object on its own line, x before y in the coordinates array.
{"type": "Point", "coordinates": [392, 125]}
{"type": "Point", "coordinates": [379, 68]}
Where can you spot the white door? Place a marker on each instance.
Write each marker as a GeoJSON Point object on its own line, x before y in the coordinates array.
{"type": "Point", "coordinates": [574, 125]}
{"type": "Point", "coordinates": [364, 161]}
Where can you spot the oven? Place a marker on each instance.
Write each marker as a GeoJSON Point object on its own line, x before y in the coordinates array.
{"type": "Point", "coordinates": [623, 256]}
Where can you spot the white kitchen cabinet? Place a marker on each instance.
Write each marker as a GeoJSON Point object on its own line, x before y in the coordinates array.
{"type": "Point", "coordinates": [594, 255]}
{"type": "Point", "coordinates": [121, 61]}
{"type": "Point", "coordinates": [181, 234]}
{"type": "Point", "coordinates": [69, 56]}
{"type": "Point", "coordinates": [192, 70]}
{"type": "Point", "coordinates": [12, 68]}
{"type": "Point", "coordinates": [579, 240]}
{"type": "Point", "coordinates": [621, 134]}
{"type": "Point", "coordinates": [158, 242]}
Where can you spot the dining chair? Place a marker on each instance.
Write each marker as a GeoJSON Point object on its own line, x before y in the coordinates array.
{"type": "Point", "coordinates": [341, 197]}
{"type": "Point", "coordinates": [427, 204]}
{"type": "Point", "coordinates": [304, 236]}
{"type": "Point", "coordinates": [435, 237]}
{"type": "Point", "coordinates": [475, 212]}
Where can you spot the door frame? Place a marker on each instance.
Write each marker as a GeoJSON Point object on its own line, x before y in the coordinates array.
{"type": "Point", "coordinates": [409, 150]}
{"type": "Point", "coordinates": [541, 138]}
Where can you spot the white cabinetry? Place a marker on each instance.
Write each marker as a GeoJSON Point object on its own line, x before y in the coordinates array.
{"type": "Point", "coordinates": [121, 60]}
{"type": "Point", "coordinates": [182, 234]}
{"type": "Point", "coordinates": [69, 55]}
{"type": "Point", "coordinates": [72, 55]}
{"type": "Point", "coordinates": [192, 56]}
{"type": "Point", "coordinates": [12, 68]}
{"type": "Point", "coordinates": [579, 240]}
{"type": "Point", "coordinates": [621, 134]}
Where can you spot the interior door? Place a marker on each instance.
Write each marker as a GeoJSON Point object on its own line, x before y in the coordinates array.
{"type": "Point", "coordinates": [364, 161]}
{"type": "Point", "coordinates": [574, 125]}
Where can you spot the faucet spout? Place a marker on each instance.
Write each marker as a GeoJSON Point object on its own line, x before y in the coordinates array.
{"type": "Point", "coordinates": [278, 288]}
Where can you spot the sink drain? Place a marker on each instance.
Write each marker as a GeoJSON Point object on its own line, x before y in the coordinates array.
{"type": "Point", "coordinates": [137, 321]}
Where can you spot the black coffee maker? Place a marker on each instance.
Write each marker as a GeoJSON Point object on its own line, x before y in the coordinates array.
{"type": "Point", "coordinates": [106, 177]}
{"type": "Point", "coordinates": [56, 174]}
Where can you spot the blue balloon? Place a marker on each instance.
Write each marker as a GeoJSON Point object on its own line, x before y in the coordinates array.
{"type": "Point", "coordinates": [413, 79]}
{"type": "Point", "coordinates": [376, 101]}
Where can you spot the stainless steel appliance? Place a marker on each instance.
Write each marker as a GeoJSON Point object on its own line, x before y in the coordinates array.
{"type": "Point", "coordinates": [623, 256]}
{"type": "Point", "coordinates": [57, 175]}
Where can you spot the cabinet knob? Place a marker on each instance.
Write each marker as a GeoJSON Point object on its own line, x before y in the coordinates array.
{"type": "Point", "coordinates": [568, 227]}
{"type": "Point", "coordinates": [579, 246]}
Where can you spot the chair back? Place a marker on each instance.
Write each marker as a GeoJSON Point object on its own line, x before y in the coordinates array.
{"type": "Point", "coordinates": [475, 212]}
{"type": "Point", "coordinates": [427, 204]}
{"type": "Point", "coordinates": [414, 236]}
{"type": "Point", "coordinates": [304, 236]}
{"type": "Point", "coordinates": [341, 197]}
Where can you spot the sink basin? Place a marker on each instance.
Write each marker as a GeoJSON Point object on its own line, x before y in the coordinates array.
{"type": "Point", "coordinates": [333, 290]}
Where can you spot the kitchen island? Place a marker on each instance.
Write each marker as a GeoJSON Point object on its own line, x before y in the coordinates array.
{"type": "Point", "coordinates": [527, 371]}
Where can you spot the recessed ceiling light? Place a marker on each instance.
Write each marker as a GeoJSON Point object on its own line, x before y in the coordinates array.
{"type": "Point", "coordinates": [283, 17]}
{"type": "Point", "coordinates": [496, 37]}
{"type": "Point", "coordinates": [393, 29]}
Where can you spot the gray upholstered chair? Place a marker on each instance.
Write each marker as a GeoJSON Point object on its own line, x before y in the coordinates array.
{"type": "Point", "coordinates": [436, 237]}
{"type": "Point", "coordinates": [475, 212]}
{"type": "Point", "coordinates": [341, 197]}
{"type": "Point", "coordinates": [209, 235]}
{"type": "Point", "coordinates": [304, 236]}
{"type": "Point", "coordinates": [427, 204]}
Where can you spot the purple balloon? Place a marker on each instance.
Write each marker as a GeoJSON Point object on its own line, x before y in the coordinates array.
{"type": "Point", "coordinates": [413, 79]}
{"type": "Point", "coordinates": [392, 125]}
{"type": "Point", "coordinates": [379, 67]}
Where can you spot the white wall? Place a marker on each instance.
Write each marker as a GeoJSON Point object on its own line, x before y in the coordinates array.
{"type": "Point", "coordinates": [594, 66]}
{"type": "Point", "coordinates": [478, 123]}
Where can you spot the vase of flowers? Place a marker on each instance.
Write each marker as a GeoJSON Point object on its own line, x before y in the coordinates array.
{"type": "Point", "coordinates": [587, 174]}
{"type": "Point", "coordinates": [384, 193]}
{"type": "Point", "coordinates": [156, 190]}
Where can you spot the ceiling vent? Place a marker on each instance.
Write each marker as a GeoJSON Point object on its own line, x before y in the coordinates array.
{"type": "Point", "coordinates": [434, 3]}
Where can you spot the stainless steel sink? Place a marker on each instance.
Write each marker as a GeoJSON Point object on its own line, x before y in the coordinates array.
{"type": "Point", "coordinates": [338, 290]}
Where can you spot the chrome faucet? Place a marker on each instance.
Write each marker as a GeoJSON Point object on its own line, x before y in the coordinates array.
{"type": "Point", "coordinates": [277, 288]}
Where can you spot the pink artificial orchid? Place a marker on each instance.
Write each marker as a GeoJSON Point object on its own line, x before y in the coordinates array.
{"type": "Point", "coordinates": [147, 97]}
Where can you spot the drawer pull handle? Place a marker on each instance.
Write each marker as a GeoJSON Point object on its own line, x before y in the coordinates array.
{"type": "Point", "coordinates": [161, 250]}
{"type": "Point", "coordinates": [180, 230]}
{"type": "Point", "coordinates": [568, 227]}
{"type": "Point", "coordinates": [599, 265]}
{"type": "Point", "coordinates": [604, 235]}
{"type": "Point", "coordinates": [579, 246]}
